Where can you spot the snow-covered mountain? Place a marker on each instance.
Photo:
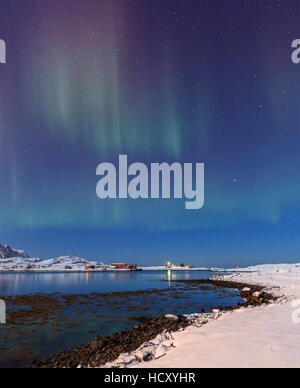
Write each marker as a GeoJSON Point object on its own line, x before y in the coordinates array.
{"type": "Point", "coordinates": [7, 252]}
{"type": "Point", "coordinates": [67, 261]}
{"type": "Point", "coordinates": [11, 259]}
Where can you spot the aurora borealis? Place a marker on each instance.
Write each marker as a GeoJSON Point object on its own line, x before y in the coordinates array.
{"type": "Point", "coordinates": [160, 81]}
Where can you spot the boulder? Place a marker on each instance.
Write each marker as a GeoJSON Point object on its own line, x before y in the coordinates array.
{"type": "Point", "coordinates": [126, 358]}
{"type": "Point", "coordinates": [145, 354]}
{"type": "Point", "coordinates": [172, 317]}
{"type": "Point", "coordinates": [161, 338]}
{"type": "Point", "coordinates": [160, 351]}
{"type": "Point", "coordinates": [256, 294]}
{"type": "Point", "coordinates": [167, 343]}
{"type": "Point", "coordinates": [145, 345]}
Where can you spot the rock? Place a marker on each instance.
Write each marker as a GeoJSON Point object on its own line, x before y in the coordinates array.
{"type": "Point", "coordinates": [256, 299]}
{"type": "Point", "coordinates": [132, 345]}
{"type": "Point", "coordinates": [144, 354]}
{"type": "Point", "coordinates": [145, 345]}
{"type": "Point", "coordinates": [97, 343]}
{"type": "Point", "coordinates": [256, 294]}
{"type": "Point", "coordinates": [171, 316]}
{"type": "Point", "coordinates": [246, 289]}
{"type": "Point", "coordinates": [109, 365]}
{"type": "Point", "coordinates": [160, 351]}
{"type": "Point", "coordinates": [167, 343]}
{"type": "Point", "coordinates": [126, 358]}
{"type": "Point", "coordinates": [215, 311]}
{"type": "Point", "coordinates": [161, 338]}
{"type": "Point", "coordinates": [133, 364]}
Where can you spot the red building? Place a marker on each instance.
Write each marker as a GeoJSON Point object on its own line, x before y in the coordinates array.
{"type": "Point", "coordinates": [90, 266]}
{"type": "Point", "coordinates": [125, 266]}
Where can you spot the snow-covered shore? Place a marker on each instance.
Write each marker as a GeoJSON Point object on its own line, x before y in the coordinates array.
{"type": "Point", "coordinates": [70, 263]}
{"type": "Point", "coordinates": [254, 337]}
{"type": "Point", "coordinates": [15, 260]}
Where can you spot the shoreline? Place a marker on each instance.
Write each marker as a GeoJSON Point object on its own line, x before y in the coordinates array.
{"type": "Point", "coordinates": [55, 271]}
{"type": "Point", "coordinates": [251, 337]}
{"type": "Point", "coordinates": [153, 337]}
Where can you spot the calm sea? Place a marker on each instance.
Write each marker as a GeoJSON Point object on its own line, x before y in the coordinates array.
{"type": "Point", "coordinates": [51, 312]}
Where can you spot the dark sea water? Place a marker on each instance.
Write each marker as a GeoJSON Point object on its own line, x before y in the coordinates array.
{"type": "Point", "coordinates": [51, 312]}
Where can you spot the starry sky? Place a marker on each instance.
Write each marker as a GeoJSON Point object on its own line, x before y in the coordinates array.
{"type": "Point", "coordinates": [161, 81]}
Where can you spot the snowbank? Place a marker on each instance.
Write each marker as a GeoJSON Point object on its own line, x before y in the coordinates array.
{"type": "Point", "coordinates": [260, 337]}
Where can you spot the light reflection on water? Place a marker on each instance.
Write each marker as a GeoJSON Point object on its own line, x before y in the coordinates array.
{"type": "Point", "coordinates": [48, 312]}
{"type": "Point", "coordinates": [87, 282]}
{"type": "Point", "coordinates": [169, 277]}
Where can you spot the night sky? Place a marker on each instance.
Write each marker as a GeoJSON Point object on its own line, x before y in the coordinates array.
{"type": "Point", "coordinates": [161, 81]}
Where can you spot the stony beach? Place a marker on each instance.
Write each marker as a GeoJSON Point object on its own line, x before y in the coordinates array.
{"type": "Point", "coordinates": [153, 338]}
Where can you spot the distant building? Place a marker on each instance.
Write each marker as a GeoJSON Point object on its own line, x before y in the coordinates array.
{"type": "Point", "coordinates": [169, 265]}
{"type": "Point", "coordinates": [90, 266]}
{"type": "Point", "coordinates": [132, 267]}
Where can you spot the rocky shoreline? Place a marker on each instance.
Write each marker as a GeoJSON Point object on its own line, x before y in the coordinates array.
{"type": "Point", "coordinates": [106, 349]}
{"type": "Point", "coordinates": [153, 337]}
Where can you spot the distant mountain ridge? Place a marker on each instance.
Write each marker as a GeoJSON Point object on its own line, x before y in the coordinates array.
{"type": "Point", "coordinates": [14, 259]}
{"type": "Point", "coordinates": [6, 252]}
{"type": "Point", "coordinates": [24, 262]}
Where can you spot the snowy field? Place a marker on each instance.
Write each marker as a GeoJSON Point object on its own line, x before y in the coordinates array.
{"type": "Point", "coordinates": [254, 337]}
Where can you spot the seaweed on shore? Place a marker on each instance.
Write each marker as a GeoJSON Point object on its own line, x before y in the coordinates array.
{"type": "Point", "coordinates": [106, 349]}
